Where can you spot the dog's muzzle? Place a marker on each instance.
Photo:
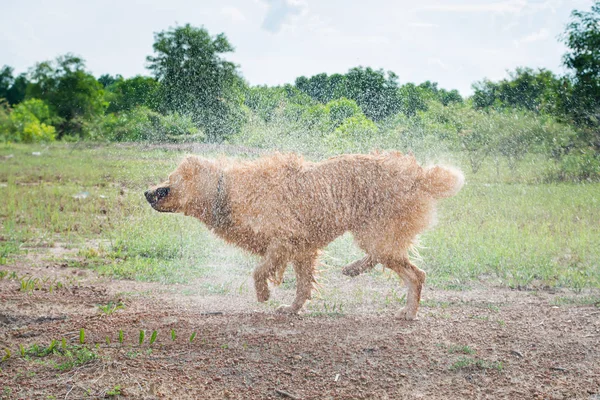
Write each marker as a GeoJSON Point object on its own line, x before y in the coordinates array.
{"type": "Point", "coordinates": [154, 196]}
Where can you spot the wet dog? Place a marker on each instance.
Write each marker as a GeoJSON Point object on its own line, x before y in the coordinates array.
{"type": "Point", "coordinates": [286, 209]}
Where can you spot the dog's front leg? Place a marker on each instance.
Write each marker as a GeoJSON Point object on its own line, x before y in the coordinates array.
{"type": "Point", "coordinates": [305, 280]}
{"type": "Point", "coordinates": [268, 269]}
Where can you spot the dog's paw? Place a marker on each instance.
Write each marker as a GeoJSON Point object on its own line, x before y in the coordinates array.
{"type": "Point", "coordinates": [287, 310]}
{"type": "Point", "coordinates": [263, 295]}
{"type": "Point", "coordinates": [350, 270]}
{"type": "Point", "coordinates": [406, 314]}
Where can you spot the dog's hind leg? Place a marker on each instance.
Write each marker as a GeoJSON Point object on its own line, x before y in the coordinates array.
{"type": "Point", "coordinates": [356, 268]}
{"type": "Point", "coordinates": [305, 279]}
{"type": "Point", "coordinates": [414, 278]}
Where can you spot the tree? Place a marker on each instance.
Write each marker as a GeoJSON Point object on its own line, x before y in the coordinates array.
{"type": "Point", "coordinates": [107, 79]}
{"type": "Point", "coordinates": [374, 92]}
{"type": "Point", "coordinates": [12, 89]}
{"type": "Point", "coordinates": [197, 81]}
{"type": "Point", "coordinates": [526, 88]}
{"type": "Point", "coordinates": [72, 94]}
{"type": "Point", "coordinates": [6, 80]}
{"type": "Point", "coordinates": [582, 37]}
{"type": "Point", "coordinates": [412, 99]}
{"type": "Point", "coordinates": [126, 94]}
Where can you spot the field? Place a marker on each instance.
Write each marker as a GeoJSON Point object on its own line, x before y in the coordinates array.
{"type": "Point", "coordinates": [88, 273]}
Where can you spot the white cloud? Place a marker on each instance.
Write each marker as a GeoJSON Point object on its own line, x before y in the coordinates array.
{"type": "Point", "coordinates": [497, 7]}
{"type": "Point", "coordinates": [233, 13]}
{"type": "Point", "coordinates": [438, 62]}
{"type": "Point", "coordinates": [280, 12]}
{"type": "Point", "coordinates": [533, 37]}
{"type": "Point", "coordinates": [423, 25]}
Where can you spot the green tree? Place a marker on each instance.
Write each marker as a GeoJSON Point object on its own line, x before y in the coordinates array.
{"type": "Point", "coordinates": [340, 110]}
{"type": "Point", "coordinates": [197, 81]}
{"type": "Point", "coordinates": [12, 89]}
{"type": "Point", "coordinates": [126, 94]}
{"type": "Point", "coordinates": [525, 88]}
{"type": "Point", "coordinates": [375, 92]}
{"type": "Point", "coordinates": [412, 99]}
{"type": "Point", "coordinates": [6, 80]}
{"type": "Point", "coordinates": [582, 37]}
{"type": "Point", "coordinates": [72, 94]}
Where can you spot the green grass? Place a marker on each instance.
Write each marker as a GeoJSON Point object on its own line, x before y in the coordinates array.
{"type": "Point", "coordinates": [504, 225]}
{"type": "Point", "coordinates": [468, 363]}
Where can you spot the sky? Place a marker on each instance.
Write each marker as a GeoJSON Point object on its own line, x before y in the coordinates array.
{"type": "Point", "coordinates": [452, 42]}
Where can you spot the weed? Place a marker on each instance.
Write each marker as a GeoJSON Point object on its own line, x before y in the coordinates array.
{"type": "Point", "coordinates": [76, 356]}
{"type": "Point", "coordinates": [110, 308]}
{"type": "Point", "coordinates": [132, 354]}
{"type": "Point", "coordinates": [82, 336]}
{"type": "Point", "coordinates": [116, 391]}
{"type": "Point", "coordinates": [192, 337]}
{"type": "Point", "coordinates": [173, 335]}
{"type": "Point", "coordinates": [142, 335]}
{"type": "Point", "coordinates": [461, 349]}
{"type": "Point", "coordinates": [476, 363]}
{"type": "Point", "coordinates": [153, 337]}
{"type": "Point", "coordinates": [6, 354]}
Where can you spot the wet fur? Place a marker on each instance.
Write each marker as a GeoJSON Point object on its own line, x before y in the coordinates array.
{"type": "Point", "coordinates": [285, 209]}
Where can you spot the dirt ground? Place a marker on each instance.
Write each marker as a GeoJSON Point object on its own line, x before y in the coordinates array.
{"type": "Point", "coordinates": [486, 342]}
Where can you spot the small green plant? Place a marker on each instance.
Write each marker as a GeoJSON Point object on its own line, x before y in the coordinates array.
{"type": "Point", "coordinates": [107, 339]}
{"type": "Point", "coordinates": [82, 336]}
{"type": "Point", "coordinates": [76, 356]}
{"type": "Point", "coordinates": [6, 354]}
{"type": "Point", "coordinates": [461, 349]}
{"type": "Point", "coordinates": [142, 335]}
{"type": "Point", "coordinates": [476, 363]}
{"type": "Point", "coordinates": [153, 337]}
{"type": "Point", "coordinates": [173, 335]}
{"type": "Point", "coordinates": [3, 274]}
{"type": "Point", "coordinates": [63, 344]}
{"type": "Point", "coordinates": [121, 336]}
{"type": "Point", "coordinates": [193, 337]}
{"type": "Point", "coordinates": [28, 285]}
{"type": "Point", "coordinates": [116, 391]}
{"type": "Point", "coordinates": [110, 308]}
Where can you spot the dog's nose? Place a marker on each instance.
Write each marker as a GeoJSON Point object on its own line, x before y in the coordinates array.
{"type": "Point", "coordinates": [162, 192]}
{"type": "Point", "coordinates": [155, 195]}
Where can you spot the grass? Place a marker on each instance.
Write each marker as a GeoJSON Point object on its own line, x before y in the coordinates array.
{"type": "Point", "coordinates": [470, 363]}
{"type": "Point", "coordinates": [504, 226]}
{"type": "Point", "coordinates": [64, 358]}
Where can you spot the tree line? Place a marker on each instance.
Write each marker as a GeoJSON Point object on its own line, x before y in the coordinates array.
{"type": "Point", "coordinates": [194, 93]}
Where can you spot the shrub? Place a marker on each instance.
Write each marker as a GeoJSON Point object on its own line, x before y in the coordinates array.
{"type": "Point", "coordinates": [580, 164]}
{"type": "Point", "coordinates": [354, 134]}
{"type": "Point", "coordinates": [28, 120]}
{"type": "Point", "coordinates": [143, 124]}
{"type": "Point", "coordinates": [341, 109]}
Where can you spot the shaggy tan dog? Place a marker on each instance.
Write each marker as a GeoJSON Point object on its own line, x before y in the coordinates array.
{"type": "Point", "coordinates": [285, 209]}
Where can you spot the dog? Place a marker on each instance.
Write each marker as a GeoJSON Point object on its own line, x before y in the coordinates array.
{"type": "Point", "coordinates": [286, 209]}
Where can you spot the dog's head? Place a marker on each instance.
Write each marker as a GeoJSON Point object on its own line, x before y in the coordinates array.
{"type": "Point", "coordinates": [174, 194]}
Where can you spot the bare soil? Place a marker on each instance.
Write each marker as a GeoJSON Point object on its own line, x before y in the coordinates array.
{"type": "Point", "coordinates": [486, 342]}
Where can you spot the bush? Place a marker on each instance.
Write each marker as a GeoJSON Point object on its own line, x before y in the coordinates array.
{"type": "Point", "coordinates": [580, 165]}
{"type": "Point", "coordinates": [143, 124]}
{"type": "Point", "coordinates": [341, 109]}
{"type": "Point", "coordinates": [354, 134]}
{"type": "Point", "coordinates": [28, 123]}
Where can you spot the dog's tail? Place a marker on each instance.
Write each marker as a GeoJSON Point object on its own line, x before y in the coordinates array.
{"type": "Point", "coordinates": [442, 181]}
